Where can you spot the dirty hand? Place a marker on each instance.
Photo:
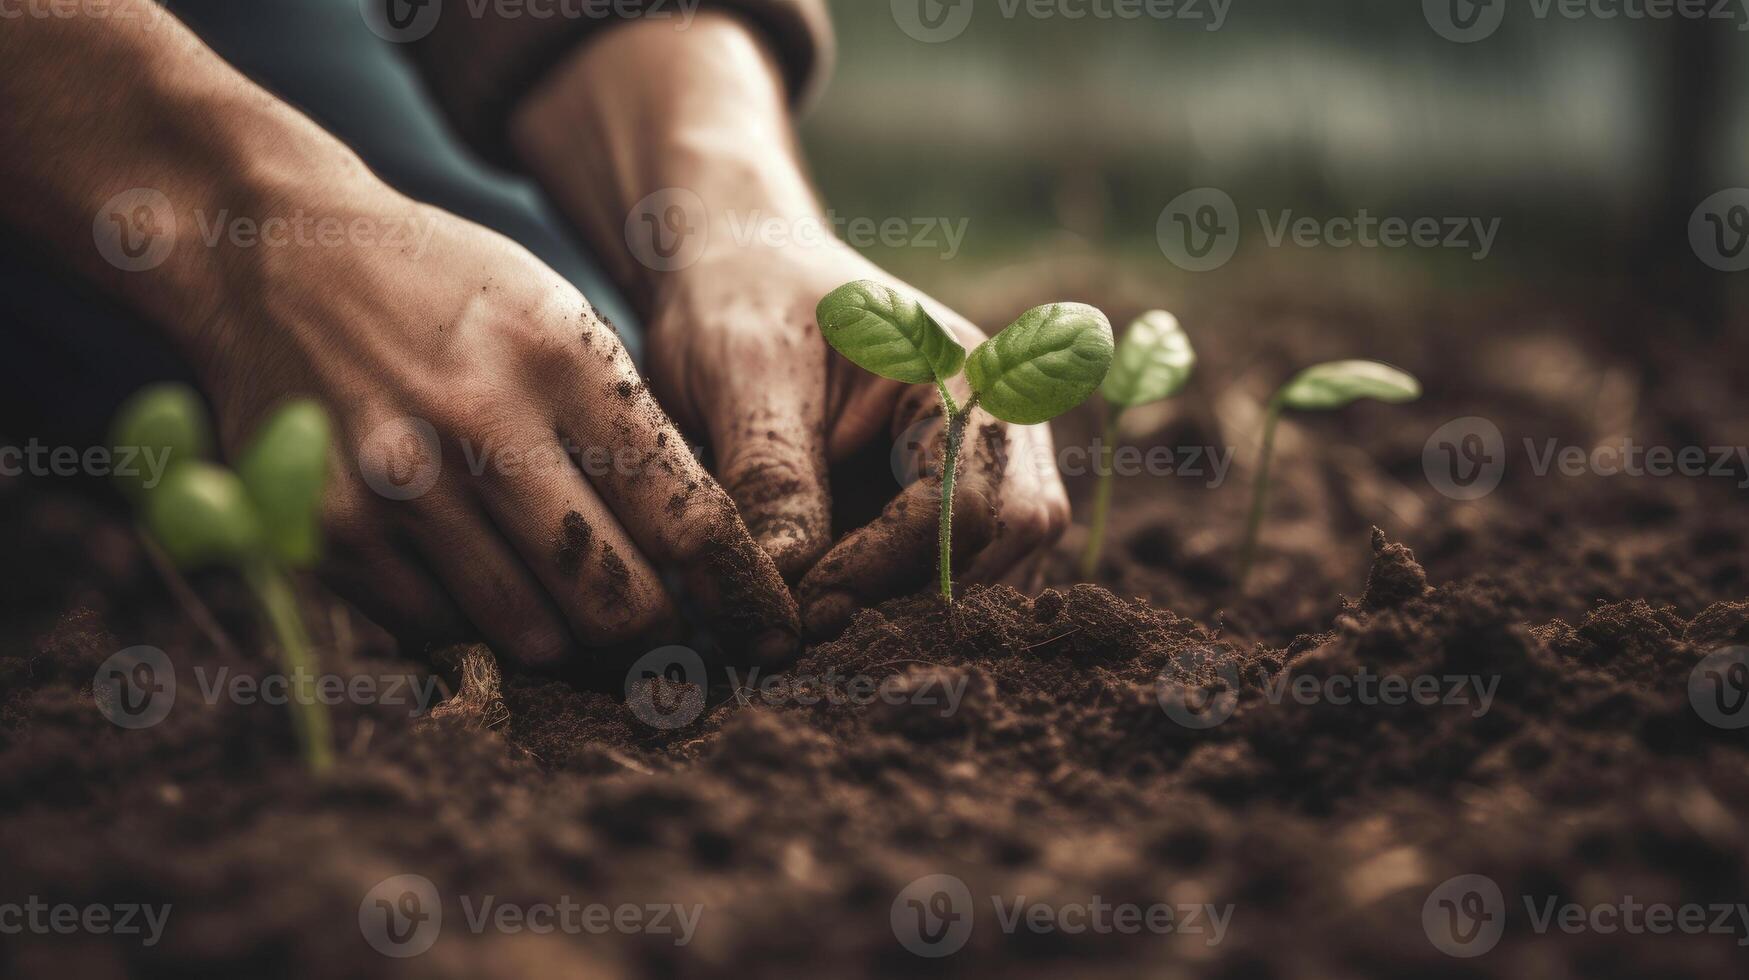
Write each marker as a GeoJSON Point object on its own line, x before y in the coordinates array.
{"type": "Point", "coordinates": [736, 354]}
{"type": "Point", "coordinates": [458, 368]}
{"type": "Point", "coordinates": [501, 462]}
{"type": "Point", "coordinates": [646, 160]}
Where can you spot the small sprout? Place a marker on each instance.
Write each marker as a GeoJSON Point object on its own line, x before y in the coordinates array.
{"type": "Point", "coordinates": [259, 521]}
{"type": "Point", "coordinates": [166, 419]}
{"type": "Point", "coordinates": [1322, 387]}
{"type": "Point", "coordinates": [286, 471]}
{"type": "Point", "coordinates": [1045, 363]}
{"type": "Point", "coordinates": [202, 516]}
{"type": "Point", "coordinates": [1154, 362]}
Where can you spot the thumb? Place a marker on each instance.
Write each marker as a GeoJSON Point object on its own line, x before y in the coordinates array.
{"type": "Point", "coordinates": [769, 440]}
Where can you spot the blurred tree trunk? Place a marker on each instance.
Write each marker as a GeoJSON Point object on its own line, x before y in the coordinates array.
{"type": "Point", "coordinates": [1685, 147]}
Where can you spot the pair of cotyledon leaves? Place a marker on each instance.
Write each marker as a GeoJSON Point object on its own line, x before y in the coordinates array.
{"type": "Point", "coordinates": [1155, 361]}
{"type": "Point", "coordinates": [1045, 363]}
{"type": "Point", "coordinates": [203, 513]}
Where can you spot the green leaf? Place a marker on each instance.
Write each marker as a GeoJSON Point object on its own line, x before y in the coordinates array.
{"type": "Point", "coordinates": [285, 470]}
{"type": "Point", "coordinates": [888, 333]}
{"type": "Point", "coordinates": [1154, 361]}
{"type": "Point", "coordinates": [1333, 385]}
{"type": "Point", "coordinates": [160, 425]}
{"type": "Point", "coordinates": [1044, 364]}
{"type": "Point", "coordinates": [202, 515]}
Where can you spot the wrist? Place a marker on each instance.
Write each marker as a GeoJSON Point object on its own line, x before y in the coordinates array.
{"type": "Point", "coordinates": [219, 210]}
{"type": "Point", "coordinates": [628, 152]}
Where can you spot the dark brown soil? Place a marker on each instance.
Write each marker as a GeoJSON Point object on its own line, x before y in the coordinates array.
{"type": "Point", "coordinates": [796, 822]}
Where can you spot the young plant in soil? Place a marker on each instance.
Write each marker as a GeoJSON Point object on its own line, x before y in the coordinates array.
{"type": "Point", "coordinates": [1043, 364]}
{"type": "Point", "coordinates": [262, 519]}
{"type": "Point", "coordinates": [1154, 362]}
{"type": "Point", "coordinates": [1320, 388]}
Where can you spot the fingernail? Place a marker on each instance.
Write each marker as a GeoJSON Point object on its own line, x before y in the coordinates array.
{"type": "Point", "coordinates": [776, 648]}
{"type": "Point", "coordinates": [826, 615]}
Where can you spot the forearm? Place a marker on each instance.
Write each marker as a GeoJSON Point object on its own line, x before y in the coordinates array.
{"type": "Point", "coordinates": [647, 108]}
{"type": "Point", "coordinates": [91, 107]}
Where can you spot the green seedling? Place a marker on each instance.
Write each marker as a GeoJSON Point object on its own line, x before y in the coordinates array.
{"type": "Point", "coordinates": [1045, 363]}
{"type": "Point", "coordinates": [1154, 362]}
{"type": "Point", "coordinates": [1320, 388]}
{"type": "Point", "coordinates": [262, 519]}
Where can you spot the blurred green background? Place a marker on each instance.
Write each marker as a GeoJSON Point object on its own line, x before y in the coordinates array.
{"type": "Point", "coordinates": [1591, 139]}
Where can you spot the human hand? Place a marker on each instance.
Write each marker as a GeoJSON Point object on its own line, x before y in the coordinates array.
{"type": "Point", "coordinates": [735, 353]}
{"type": "Point", "coordinates": [502, 465]}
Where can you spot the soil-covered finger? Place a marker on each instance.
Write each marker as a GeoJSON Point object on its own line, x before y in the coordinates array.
{"type": "Point", "coordinates": [773, 465]}
{"type": "Point", "coordinates": [898, 552]}
{"type": "Point", "coordinates": [488, 581]}
{"type": "Point", "coordinates": [589, 566]}
{"type": "Point", "coordinates": [678, 515]}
